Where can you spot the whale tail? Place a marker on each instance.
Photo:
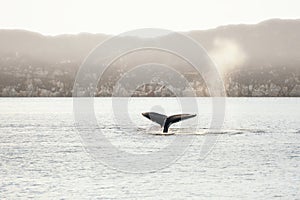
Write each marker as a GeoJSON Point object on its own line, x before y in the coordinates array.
{"type": "Point", "coordinates": [165, 121]}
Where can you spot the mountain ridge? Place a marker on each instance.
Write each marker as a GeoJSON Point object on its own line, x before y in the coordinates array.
{"type": "Point", "coordinates": [274, 42]}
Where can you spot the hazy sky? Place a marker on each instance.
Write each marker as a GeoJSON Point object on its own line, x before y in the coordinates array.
{"type": "Point", "coordinates": [54, 17]}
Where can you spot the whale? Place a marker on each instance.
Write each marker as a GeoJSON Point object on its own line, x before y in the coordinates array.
{"type": "Point", "coordinates": [166, 121]}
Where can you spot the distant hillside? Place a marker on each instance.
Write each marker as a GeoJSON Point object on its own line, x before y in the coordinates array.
{"type": "Point", "coordinates": [274, 42]}
{"type": "Point", "coordinates": [50, 49]}
{"type": "Point", "coordinates": [270, 43]}
{"type": "Point", "coordinates": [254, 60]}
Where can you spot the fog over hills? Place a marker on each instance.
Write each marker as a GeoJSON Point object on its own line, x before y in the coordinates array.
{"type": "Point", "coordinates": [260, 48]}
{"type": "Point", "coordinates": [274, 43]}
{"type": "Point", "coordinates": [48, 48]}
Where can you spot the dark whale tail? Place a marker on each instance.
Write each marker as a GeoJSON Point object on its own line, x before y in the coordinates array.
{"type": "Point", "coordinates": [165, 121]}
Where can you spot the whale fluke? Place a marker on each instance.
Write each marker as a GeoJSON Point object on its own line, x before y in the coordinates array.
{"type": "Point", "coordinates": [165, 121]}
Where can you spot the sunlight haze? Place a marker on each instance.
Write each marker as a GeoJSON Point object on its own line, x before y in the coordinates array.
{"type": "Point", "coordinates": [112, 17]}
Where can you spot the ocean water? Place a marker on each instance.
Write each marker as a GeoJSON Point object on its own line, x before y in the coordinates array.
{"type": "Point", "coordinates": [256, 154]}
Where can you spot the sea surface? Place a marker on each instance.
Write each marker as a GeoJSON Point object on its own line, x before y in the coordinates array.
{"type": "Point", "coordinates": [255, 155]}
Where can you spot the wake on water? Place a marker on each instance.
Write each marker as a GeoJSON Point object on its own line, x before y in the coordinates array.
{"type": "Point", "coordinates": [201, 131]}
